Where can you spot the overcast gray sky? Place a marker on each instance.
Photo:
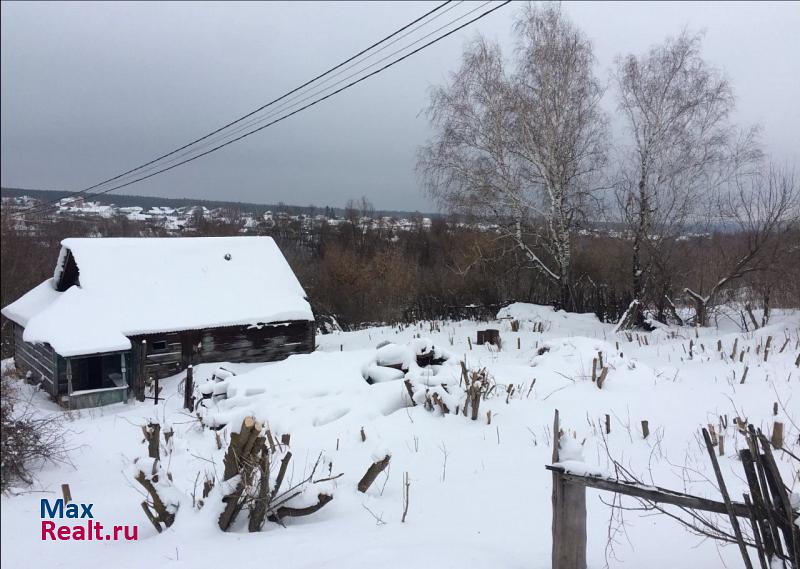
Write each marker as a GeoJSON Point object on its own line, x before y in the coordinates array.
{"type": "Point", "coordinates": [92, 89]}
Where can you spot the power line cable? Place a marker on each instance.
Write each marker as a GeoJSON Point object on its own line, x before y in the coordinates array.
{"type": "Point", "coordinates": [306, 106]}
{"type": "Point", "coordinates": [293, 102]}
{"type": "Point", "coordinates": [261, 108]}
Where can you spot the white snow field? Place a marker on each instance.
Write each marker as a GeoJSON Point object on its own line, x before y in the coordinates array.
{"type": "Point", "coordinates": [479, 494]}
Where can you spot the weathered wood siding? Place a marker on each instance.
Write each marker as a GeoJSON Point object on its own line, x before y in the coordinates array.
{"type": "Point", "coordinates": [61, 374]}
{"type": "Point", "coordinates": [38, 359]}
{"type": "Point", "coordinates": [246, 345]}
{"type": "Point", "coordinates": [162, 362]}
{"type": "Point", "coordinates": [241, 344]}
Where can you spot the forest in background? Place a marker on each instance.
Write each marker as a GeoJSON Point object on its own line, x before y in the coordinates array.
{"type": "Point", "coordinates": [362, 275]}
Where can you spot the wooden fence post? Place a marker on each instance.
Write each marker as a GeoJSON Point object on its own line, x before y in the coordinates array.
{"type": "Point", "coordinates": [69, 379]}
{"type": "Point", "coordinates": [140, 370]}
{"type": "Point", "coordinates": [777, 434]}
{"type": "Point", "coordinates": [569, 516]}
{"type": "Point", "coordinates": [188, 390]}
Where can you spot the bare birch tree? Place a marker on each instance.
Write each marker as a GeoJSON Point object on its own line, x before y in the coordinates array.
{"type": "Point", "coordinates": [761, 211]}
{"type": "Point", "coordinates": [522, 148]}
{"type": "Point", "coordinates": [561, 132]}
{"type": "Point", "coordinates": [677, 110]}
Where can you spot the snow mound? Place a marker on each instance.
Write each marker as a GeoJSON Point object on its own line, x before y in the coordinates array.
{"type": "Point", "coordinates": [526, 312]}
{"type": "Point", "coordinates": [320, 389]}
{"type": "Point", "coordinates": [307, 390]}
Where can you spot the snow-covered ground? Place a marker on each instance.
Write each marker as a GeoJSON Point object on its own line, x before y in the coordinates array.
{"type": "Point", "coordinates": [479, 495]}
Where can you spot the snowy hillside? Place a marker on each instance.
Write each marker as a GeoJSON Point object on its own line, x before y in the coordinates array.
{"type": "Point", "coordinates": [479, 493]}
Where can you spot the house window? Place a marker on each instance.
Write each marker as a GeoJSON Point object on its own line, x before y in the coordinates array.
{"type": "Point", "coordinates": [159, 346]}
{"type": "Point", "coordinates": [207, 343]}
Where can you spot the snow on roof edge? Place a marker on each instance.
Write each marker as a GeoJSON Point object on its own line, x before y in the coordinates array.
{"type": "Point", "coordinates": [29, 304]}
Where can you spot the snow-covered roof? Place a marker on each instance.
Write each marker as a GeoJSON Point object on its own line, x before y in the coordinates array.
{"type": "Point", "coordinates": [130, 286]}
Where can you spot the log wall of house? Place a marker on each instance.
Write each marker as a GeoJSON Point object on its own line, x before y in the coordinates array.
{"type": "Point", "coordinates": [38, 359]}
{"type": "Point", "coordinates": [162, 362]}
{"type": "Point", "coordinates": [61, 374]}
{"type": "Point", "coordinates": [255, 344]}
{"type": "Point", "coordinates": [240, 344]}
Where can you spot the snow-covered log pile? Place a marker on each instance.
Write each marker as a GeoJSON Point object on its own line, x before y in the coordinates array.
{"type": "Point", "coordinates": [226, 398]}
{"type": "Point", "coordinates": [426, 375]}
{"type": "Point", "coordinates": [433, 378]}
{"type": "Point", "coordinates": [216, 388]}
{"type": "Point", "coordinates": [419, 358]}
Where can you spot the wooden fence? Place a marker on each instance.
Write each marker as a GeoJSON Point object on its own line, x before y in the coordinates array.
{"type": "Point", "coordinates": [774, 534]}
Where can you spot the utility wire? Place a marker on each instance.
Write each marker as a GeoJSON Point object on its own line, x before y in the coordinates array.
{"type": "Point", "coordinates": [261, 108]}
{"type": "Point", "coordinates": [275, 121]}
{"type": "Point", "coordinates": [293, 102]}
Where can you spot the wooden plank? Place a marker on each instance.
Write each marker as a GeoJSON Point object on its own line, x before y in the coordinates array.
{"type": "Point", "coordinates": [139, 371]}
{"type": "Point", "coordinates": [762, 558]}
{"type": "Point", "coordinates": [34, 364]}
{"type": "Point", "coordinates": [653, 494]}
{"type": "Point", "coordinates": [569, 514]}
{"type": "Point", "coordinates": [791, 533]}
{"type": "Point", "coordinates": [723, 489]}
{"type": "Point", "coordinates": [161, 370]}
{"type": "Point", "coordinates": [758, 506]}
{"type": "Point", "coordinates": [36, 358]}
{"type": "Point", "coordinates": [242, 344]}
{"type": "Point", "coordinates": [761, 514]}
{"type": "Point", "coordinates": [39, 353]}
{"type": "Point", "coordinates": [769, 508]}
{"type": "Point", "coordinates": [164, 357]}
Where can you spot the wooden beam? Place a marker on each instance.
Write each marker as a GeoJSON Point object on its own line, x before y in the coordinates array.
{"type": "Point", "coordinates": [69, 376]}
{"type": "Point", "coordinates": [723, 489]}
{"type": "Point", "coordinates": [652, 493]}
{"type": "Point", "coordinates": [569, 514]}
{"type": "Point", "coordinates": [139, 370]}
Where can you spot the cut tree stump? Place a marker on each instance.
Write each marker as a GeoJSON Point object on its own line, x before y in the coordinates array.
{"type": "Point", "coordinates": [188, 390]}
{"type": "Point", "coordinates": [152, 434]}
{"type": "Point", "coordinates": [372, 473]}
{"type": "Point", "coordinates": [489, 336]}
{"type": "Point", "coordinates": [602, 379]}
{"type": "Point", "coordinates": [777, 434]}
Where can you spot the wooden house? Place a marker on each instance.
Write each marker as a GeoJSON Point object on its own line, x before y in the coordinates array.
{"type": "Point", "coordinates": [122, 311]}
